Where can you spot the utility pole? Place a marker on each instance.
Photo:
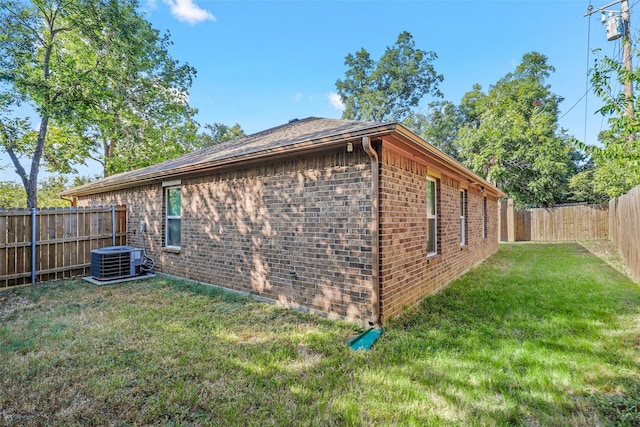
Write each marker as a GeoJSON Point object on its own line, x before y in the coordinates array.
{"type": "Point", "coordinates": [626, 55]}
{"type": "Point", "coordinates": [619, 26]}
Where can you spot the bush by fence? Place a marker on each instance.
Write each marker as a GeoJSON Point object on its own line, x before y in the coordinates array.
{"type": "Point", "coordinates": [624, 228]}
{"type": "Point", "coordinates": [63, 240]}
{"type": "Point", "coordinates": [556, 224]}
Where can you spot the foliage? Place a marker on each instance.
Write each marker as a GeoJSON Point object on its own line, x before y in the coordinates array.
{"type": "Point", "coordinates": [12, 194]}
{"type": "Point", "coordinates": [537, 335]}
{"type": "Point", "coordinates": [608, 176]}
{"type": "Point", "coordinates": [607, 76]}
{"type": "Point", "coordinates": [140, 114]}
{"type": "Point", "coordinates": [511, 135]}
{"type": "Point", "coordinates": [439, 126]}
{"type": "Point", "coordinates": [96, 69]}
{"type": "Point", "coordinates": [617, 157]}
{"type": "Point", "coordinates": [219, 132]}
{"type": "Point", "coordinates": [388, 89]}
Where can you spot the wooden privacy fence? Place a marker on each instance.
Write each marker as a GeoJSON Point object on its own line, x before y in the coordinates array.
{"type": "Point", "coordinates": [624, 228]}
{"type": "Point", "coordinates": [39, 245]}
{"type": "Point", "coordinates": [556, 224]}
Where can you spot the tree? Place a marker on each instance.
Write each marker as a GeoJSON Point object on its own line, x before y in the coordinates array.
{"type": "Point", "coordinates": [218, 133]}
{"type": "Point", "coordinates": [617, 157]}
{"type": "Point", "coordinates": [12, 194]}
{"type": "Point", "coordinates": [606, 76]}
{"type": "Point", "coordinates": [606, 176]}
{"type": "Point", "coordinates": [511, 135]}
{"type": "Point", "coordinates": [143, 117]}
{"type": "Point", "coordinates": [84, 65]}
{"type": "Point", "coordinates": [439, 126]}
{"type": "Point", "coordinates": [388, 89]}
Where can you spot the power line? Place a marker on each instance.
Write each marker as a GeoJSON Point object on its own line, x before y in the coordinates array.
{"type": "Point", "coordinates": [585, 111]}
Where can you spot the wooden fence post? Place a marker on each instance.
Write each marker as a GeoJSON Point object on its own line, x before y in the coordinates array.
{"type": "Point", "coordinates": [511, 226]}
{"type": "Point", "coordinates": [113, 225]}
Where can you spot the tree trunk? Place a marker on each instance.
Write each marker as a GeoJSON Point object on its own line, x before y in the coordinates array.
{"type": "Point", "coordinates": [32, 184]}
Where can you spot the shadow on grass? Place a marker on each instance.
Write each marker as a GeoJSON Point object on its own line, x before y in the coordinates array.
{"type": "Point", "coordinates": [538, 335]}
{"type": "Point", "coordinates": [529, 347]}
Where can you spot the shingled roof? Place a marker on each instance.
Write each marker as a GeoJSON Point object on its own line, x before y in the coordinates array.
{"type": "Point", "coordinates": [297, 135]}
{"type": "Point", "coordinates": [312, 133]}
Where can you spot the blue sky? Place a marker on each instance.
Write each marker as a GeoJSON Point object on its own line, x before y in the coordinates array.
{"type": "Point", "coordinates": [261, 63]}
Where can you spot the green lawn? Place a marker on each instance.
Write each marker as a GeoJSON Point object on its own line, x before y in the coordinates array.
{"type": "Point", "coordinates": [537, 335]}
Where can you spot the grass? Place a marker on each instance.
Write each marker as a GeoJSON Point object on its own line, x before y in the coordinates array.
{"type": "Point", "coordinates": [537, 335]}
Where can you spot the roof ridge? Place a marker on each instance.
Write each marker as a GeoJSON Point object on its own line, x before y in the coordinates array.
{"type": "Point", "coordinates": [291, 122]}
{"type": "Point", "coordinates": [253, 135]}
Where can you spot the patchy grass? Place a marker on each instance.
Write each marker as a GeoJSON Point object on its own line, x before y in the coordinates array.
{"type": "Point", "coordinates": [607, 251]}
{"type": "Point", "coordinates": [537, 335]}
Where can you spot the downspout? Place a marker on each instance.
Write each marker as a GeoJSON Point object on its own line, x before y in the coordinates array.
{"type": "Point", "coordinates": [375, 231]}
{"type": "Point", "coordinates": [34, 244]}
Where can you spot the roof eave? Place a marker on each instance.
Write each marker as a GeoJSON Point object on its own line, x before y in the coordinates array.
{"type": "Point", "coordinates": [458, 167]}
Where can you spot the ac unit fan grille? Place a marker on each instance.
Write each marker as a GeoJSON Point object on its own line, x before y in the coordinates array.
{"type": "Point", "coordinates": [115, 262]}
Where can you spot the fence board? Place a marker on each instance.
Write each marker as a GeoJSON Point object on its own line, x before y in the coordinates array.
{"type": "Point", "coordinates": [3, 242]}
{"type": "Point", "coordinates": [64, 240]}
{"type": "Point", "coordinates": [623, 228]}
{"type": "Point", "coordinates": [557, 224]}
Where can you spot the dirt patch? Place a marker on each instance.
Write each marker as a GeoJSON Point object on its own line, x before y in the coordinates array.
{"type": "Point", "coordinates": [9, 304]}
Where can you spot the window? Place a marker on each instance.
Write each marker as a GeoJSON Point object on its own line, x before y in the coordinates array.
{"type": "Point", "coordinates": [484, 218]}
{"type": "Point", "coordinates": [463, 217]}
{"type": "Point", "coordinates": [173, 224]}
{"type": "Point", "coordinates": [432, 217]}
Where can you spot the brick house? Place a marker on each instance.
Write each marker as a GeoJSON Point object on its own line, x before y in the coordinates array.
{"type": "Point", "coordinates": [355, 220]}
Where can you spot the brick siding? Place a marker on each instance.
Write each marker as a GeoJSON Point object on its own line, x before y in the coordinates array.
{"type": "Point", "coordinates": [407, 274]}
{"type": "Point", "coordinates": [248, 229]}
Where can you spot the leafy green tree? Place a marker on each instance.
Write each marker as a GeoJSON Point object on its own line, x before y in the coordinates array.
{"type": "Point", "coordinates": [617, 157]}
{"type": "Point", "coordinates": [94, 67]}
{"type": "Point", "coordinates": [388, 89]}
{"type": "Point", "coordinates": [48, 191]}
{"type": "Point", "coordinates": [609, 77]}
{"type": "Point", "coordinates": [511, 135]}
{"type": "Point", "coordinates": [219, 132]}
{"type": "Point", "coordinates": [12, 195]}
{"type": "Point", "coordinates": [439, 126]}
{"type": "Point", "coordinates": [607, 176]}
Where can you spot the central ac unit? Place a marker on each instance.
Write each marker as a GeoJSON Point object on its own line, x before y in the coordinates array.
{"type": "Point", "coordinates": [115, 262]}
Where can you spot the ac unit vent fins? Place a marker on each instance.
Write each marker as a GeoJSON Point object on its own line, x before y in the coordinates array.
{"type": "Point", "coordinates": [115, 262]}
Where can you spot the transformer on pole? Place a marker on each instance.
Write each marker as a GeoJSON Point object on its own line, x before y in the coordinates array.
{"type": "Point", "coordinates": [618, 26]}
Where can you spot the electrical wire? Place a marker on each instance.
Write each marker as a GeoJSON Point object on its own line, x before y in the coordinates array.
{"type": "Point", "coordinates": [586, 93]}
{"type": "Point", "coordinates": [149, 263]}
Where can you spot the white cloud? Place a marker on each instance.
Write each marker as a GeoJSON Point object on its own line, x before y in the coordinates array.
{"type": "Point", "coordinates": [299, 96]}
{"type": "Point", "coordinates": [335, 101]}
{"type": "Point", "coordinates": [187, 11]}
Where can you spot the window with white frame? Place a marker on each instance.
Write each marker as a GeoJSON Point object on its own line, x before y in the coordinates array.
{"type": "Point", "coordinates": [484, 218]}
{"type": "Point", "coordinates": [463, 217]}
{"type": "Point", "coordinates": [432, 216]}
{"type": "Point", "coordinates": [173, 216]}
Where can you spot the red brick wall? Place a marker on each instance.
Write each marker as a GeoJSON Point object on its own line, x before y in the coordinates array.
{"type": "Point", "coordinates": [407, 274]}
{"type": "Point", "coordinates": [248, 229]}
